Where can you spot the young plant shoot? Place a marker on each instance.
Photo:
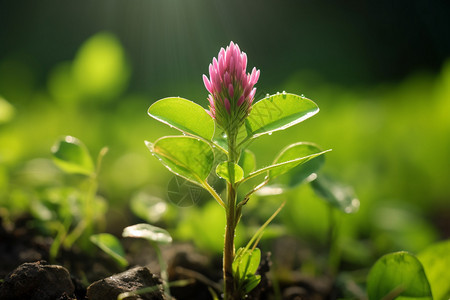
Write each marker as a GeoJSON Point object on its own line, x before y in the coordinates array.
{"type": "Point", "coordinates": [232, 122]}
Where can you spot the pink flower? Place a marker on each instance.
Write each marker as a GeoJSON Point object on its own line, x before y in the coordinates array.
{"type": "Point", "coordinates": [231, 89]}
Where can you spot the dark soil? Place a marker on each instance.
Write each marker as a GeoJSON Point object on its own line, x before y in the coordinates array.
{"type": "Point", "coordinates": [20, 246]}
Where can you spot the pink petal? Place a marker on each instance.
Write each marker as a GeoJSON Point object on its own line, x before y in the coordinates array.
{"type": "Point", "coordinates": [228, 57]}
{"type": "Point", "coordinates": [232, 46]}
{"type": "Point", "coordinates": [207, 83]}
{"type": "Point", "coordinates": [227, 104]}
{"type": "Point", "coordinates": [227, 78]}
{"type": "Point", "coordinates": [211, 71]}
{"type": "Point", "coordinates": [238, 64]}
{"type": "Point", "coordinates": [221, 54]}
{"type": "Point", "coordinates": [253, 76]}
{"type": "Point", "coordinates": [238, 50]}
{"type": "Point", "coordinates": [244, 61]}
{"type": "Point", "coordinates": [215, 65]}
{"type": "Point", "coordinates": [211, 101]}
{"type": "Point", "coordinates": [241, 100]}
{"type": "Point", "coordinates": [222, 66]}
{"type": "Point", "coordinates": [231, 65]}
{"type": "Point", "coordinates": [256, 77]}
{"type": "Point", "coordinates": [230, 90]}
{"type": "Point", "coordinates": [252, 94]}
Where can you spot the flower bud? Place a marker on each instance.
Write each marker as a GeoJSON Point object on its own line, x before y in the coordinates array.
{"type": "Point", "coordinates": [231, 89]}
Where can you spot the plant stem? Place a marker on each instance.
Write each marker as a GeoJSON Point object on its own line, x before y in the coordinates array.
{"type": "Point", "coordinates": [229, 250]}
{"type": "Point", "coordinates": [163, 266]}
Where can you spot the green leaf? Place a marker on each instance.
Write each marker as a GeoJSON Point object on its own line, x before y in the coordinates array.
{"type": "Point", "coordinates": [247, 161]}
{"type": "Point", "coordinates": [148, 232]}
{"type": "Point", "coordinates": [72, 156]}
{"type": "Point", "coordinates": [398, 274]}
{"type": "Point", "coordinates": [340, 196]}
{"type": "Point", "coordinates": [436, 261]}
{"type": "Point", "coordinates": [184, 115]}
{"type": "Point", "coordinates": [251, 282]}
{"type": "Point", "coordinates": [188, 157]}
{"type": "Point", "coordinates": [280, 166]}
{"type": "Point", "coordinates": [300, 172]}
{"type": "Point", "coordinates": [246, 262]}
{"type": "Point", "coordinates": [244, 267]}
{"type": "Point", "coordinates": [278, 112]}
{"type": "Point", "coordinates": [110, 245]}
{"type": "Point", "coordinates": [223, 169]}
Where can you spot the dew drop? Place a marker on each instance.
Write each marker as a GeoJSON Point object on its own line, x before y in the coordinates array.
{"type": "Point", "coordinates": [270, 133]}
{"type": "Point", "coordinates": [267, 95]}
{"type": "Point", "coordinates": [303, 96]}
{"type": "Point", "coordinates": [284, 93]}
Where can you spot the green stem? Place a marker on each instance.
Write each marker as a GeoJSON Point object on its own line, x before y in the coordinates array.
{"type": "Point", "coordinates": [229, 249]}
{"type": "Point", "coordinates": [86, 226]}
{"type": "Point", "coordinates": [163, 266]}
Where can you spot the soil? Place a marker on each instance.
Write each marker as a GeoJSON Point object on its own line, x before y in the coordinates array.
{"type": "Point", "coordinates": [25, 273]}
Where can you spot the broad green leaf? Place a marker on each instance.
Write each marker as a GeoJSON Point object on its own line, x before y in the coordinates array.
{"type": "Point", "coordinates": [223, 170]}
{"type": "Point", "coordinates": [188, 157]}
{"type": "Point", "coordinates": [398, 274]}
{"type": "Point", "coordinates": [300, 172]}
{"type": "Point", "coordinates": [72, 156]}
{"type": "Point", "coordinates": [148, 232]}
{"type": "Point", "coordinates": [246, 262]}
{"type": "Point", "coordinates": [281, 167]}
{"type": "Point", "coordinates": [340, 196]}
{"type": "Point", "coordinates": [110, 245]}
{"type": "Point", "coordinates": [184, 115]}
{"type": "Point", "coordinates": [244, 266]}
{"type": "Point", "coordinates": [148, 207]}
{"type": "Point", "coordinates": [247, 161]}
{"type": "Point", "coordinates": [278, 112]}
{"type": "Point", "coordinates": [436, 261]}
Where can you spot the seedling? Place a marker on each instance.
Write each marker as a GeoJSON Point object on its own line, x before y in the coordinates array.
{"type": "Point", "coordinates": [230, 125]}
{"type": "Point", "coordinates": [72, 156]}
{"type": "Point", "coordinates": [156, 236]}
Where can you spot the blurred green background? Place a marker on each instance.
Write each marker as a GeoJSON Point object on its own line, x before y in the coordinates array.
{"type": "Point", "coordinates": [378, 71]}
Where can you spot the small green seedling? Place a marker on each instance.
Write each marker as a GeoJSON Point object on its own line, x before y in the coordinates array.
{"type": "Point", "coordinates": [72, 156]}
{"type": "Point", "coordinates": [156, 236]}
